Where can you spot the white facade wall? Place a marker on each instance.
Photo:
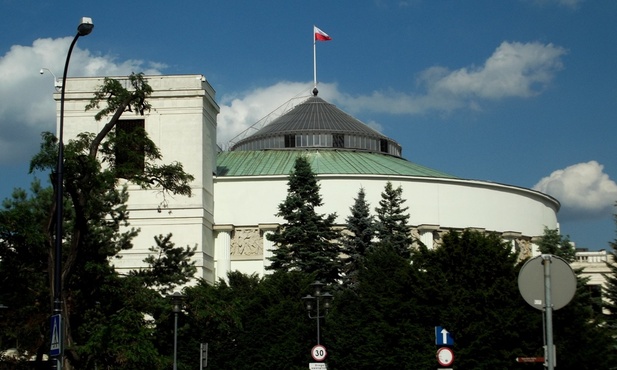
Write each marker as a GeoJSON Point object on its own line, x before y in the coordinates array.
{"type": "Point", "coordinates": [457, 204]}
{"type": "Point", "coordinates": [182, 123]}
{"type": "Point", "coordinates": [433, 204]}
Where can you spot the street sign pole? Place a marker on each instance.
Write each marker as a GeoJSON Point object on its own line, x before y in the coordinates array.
{"type": "Point", "coordinates": [55, 348]}
{"type": "Point", "coordinates": [548, 311]}
{"type": "Point", "coordinates": [557, 290]}
{"type": "Point", "coordinates": [203, 355]}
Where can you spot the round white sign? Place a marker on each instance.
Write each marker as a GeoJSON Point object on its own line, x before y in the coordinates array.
{"type": "Point", "coordinates": [531, 282]}
{"type": "Point", "coordinates": [319, 352]}
{"type": "Point", "coordinates": [445, 356]}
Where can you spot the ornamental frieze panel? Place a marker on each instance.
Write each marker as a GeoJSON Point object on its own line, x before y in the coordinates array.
{"type": "Point", "coordinates": [246, 242]}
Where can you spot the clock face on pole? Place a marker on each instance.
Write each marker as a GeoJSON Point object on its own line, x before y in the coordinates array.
{"type": "Point", "coordinates": [445, 356]}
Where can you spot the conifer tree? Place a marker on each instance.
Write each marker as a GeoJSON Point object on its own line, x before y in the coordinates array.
{"type": "Point", "coordinates": [307, 241]}
{"type": "Point", "coordinates": [391, 227]}
{"type": "Point", "coordinates": [553, 243]}
{"type": "Point", "coordinates": [358, 238]}
{"type": "Point", "coordinates": [610, 289]}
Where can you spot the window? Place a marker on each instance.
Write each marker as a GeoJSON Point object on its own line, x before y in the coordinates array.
{"type": "Point", "coordinates": [595, 292]}
{"type": "Point", "coordinates": [383, 145]}
{"type": "Point", "coordinates": [130, 150]}
{"type": "Point", "coordinates": [290, 141]}
{"type": "Point", "coordinates": [338, 141]}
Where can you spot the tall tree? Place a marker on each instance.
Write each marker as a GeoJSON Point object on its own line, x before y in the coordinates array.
{"type": "Point", "coordinates": [94, 212]}
{"type": "Point", "coordinates": [307, 241]}
{"type": "Point", "coordinates": [357, 238]}
{"type": "Point", "coordinates": [391, 227]}
{"type": "Point", "coordinates": [24, 282]}
{"type": "Point", "coordinates": [609, 292]}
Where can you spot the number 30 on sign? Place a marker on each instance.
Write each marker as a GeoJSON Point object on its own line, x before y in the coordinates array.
{"type": "Point", "coordinates": [319, 352]}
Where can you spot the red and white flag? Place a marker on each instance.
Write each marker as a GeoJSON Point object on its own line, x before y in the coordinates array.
{"type": "Point", "coordinates": [321, 35]}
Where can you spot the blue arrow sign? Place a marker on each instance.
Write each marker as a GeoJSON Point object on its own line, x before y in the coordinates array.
{"type": "Point", "coordinates": [443, 337]}
{"type": "Point", "coordinates": [56, 335]}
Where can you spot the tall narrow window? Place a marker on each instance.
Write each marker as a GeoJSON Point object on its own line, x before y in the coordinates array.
{"type": "Point", "coordinates": [290, 141]}
{"type": "Point", "coordinates": [338, 141]}
{"type": "Point", "coordinates": [383, 145]}
{"type": "Point", "coordinates": [130, 151]}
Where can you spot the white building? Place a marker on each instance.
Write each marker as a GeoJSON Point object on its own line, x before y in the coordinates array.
{"type": "Point", "coordinates": [236, 193]}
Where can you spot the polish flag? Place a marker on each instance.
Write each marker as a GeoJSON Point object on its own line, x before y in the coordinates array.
{"type": "Point", "coordinates": [321, 35]}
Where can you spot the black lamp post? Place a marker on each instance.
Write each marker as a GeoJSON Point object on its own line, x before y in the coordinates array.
{"type": "Point", "coordinates": [84, 28]}
{"type": "Point", "coordinates": [176, 300]}
{"type": "Point", "coordinates": [314, 302]}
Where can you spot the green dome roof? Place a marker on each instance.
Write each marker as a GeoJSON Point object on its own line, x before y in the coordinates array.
{"type": "Point", "coordinates": [323, 161]}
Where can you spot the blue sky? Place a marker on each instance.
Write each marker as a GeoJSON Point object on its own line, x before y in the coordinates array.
{"type": "Point", "coordinates": [521, 92]}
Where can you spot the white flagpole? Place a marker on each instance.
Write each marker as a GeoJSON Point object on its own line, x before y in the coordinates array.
{"type": "Point", "coordinates": [314, 58]}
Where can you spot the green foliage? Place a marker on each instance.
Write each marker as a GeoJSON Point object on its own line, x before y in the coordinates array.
{"type": "Point", "coordinates": [307, 241]}
{"type": "Point", "coordinates": [24, 255]}
{"type": "Point", "coordinates": [250, 323]}
{"type": "Point", "coordinates": [581, 336]}
{"type": "Point", "coordinates": [553, 243]}
{"type": "Point", "coordinates": [382, 323]}
{"type": "Point", "coordinates": [467, 285]}
{"type": "Point", "coordinates": [117, 330]}
{"type": "Point", "coordinates": [609, 291]}
{"type": "Point", "coordinates": [169, 266]}
{"type": "Point", "coordinates": [391, 226]}
{"type": "Point", "coordinates": [109, 319]}
{"type": "Point", "coordinates": [472, 281]}
{"type": "Point", "coordinates": [592, 348]}
{"type": "Point", "coordinates": [357, 239]}
{"type": "Point", "coordinates": [117, 98]}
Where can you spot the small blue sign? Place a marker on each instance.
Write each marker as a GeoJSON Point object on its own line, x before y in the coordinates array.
{"type": "Point", "coordinates": [56, 335]}
{"type": "Point", "coordinates": [443, 337]}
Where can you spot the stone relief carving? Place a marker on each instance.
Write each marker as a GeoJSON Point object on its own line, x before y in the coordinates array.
{"type": "Point", "coordinates": [246, 242]}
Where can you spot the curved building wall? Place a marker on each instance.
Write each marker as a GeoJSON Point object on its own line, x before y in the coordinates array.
{"type": "Point", "coordinates": [248, 204]}
{"type": "Point", "coordinates": [447, 202]}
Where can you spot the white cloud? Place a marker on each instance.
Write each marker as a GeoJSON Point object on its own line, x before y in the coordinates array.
{"type": "Point", "coordinates": [514, 70]}
{"type": "Point", "coordinates": [583, 189]}
{"type": "Point", "coordinates": [27, 106]}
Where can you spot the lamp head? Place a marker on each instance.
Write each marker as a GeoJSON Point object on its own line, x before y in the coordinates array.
{"type": "Point", "coordinates": [176, 300]}
{"type": "Point", "coordinates": [317, 287]}
{"type": "Point", "coordinates": [308, 302]}
{"type": "Point", "coordinates": [85, 27]}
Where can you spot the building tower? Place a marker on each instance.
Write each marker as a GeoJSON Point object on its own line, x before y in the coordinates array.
{"type": "Point", "coordinates": [182, 123]}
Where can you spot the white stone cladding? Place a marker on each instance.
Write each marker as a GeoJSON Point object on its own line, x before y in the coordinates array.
{"type": "Point", "coordinates": [435, 206]}
{"type": "Point", "coordinates": [182, 123]}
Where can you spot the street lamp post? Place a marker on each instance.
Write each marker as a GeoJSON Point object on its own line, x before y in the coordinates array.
{"type": "Point", "coordinates": [314, 302]}
{"type": "Point", "coordinates": [84, 28]}
{"type": "Point", "coordinates": [176, 300]}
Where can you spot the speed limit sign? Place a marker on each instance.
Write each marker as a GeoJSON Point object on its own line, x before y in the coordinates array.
{"type": "Point", "coordinates": [319, 352]}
